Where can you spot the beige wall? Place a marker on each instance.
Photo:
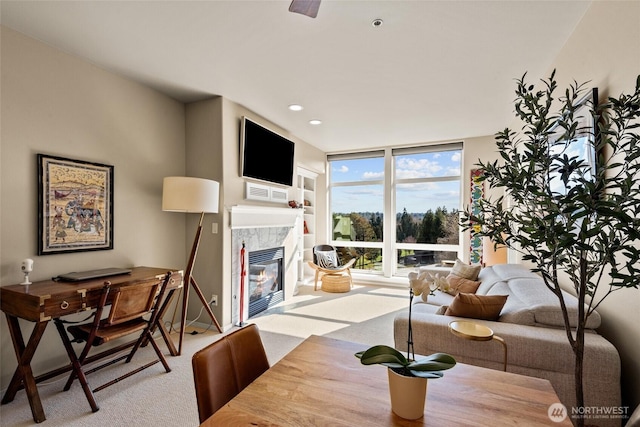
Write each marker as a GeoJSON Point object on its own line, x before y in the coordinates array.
{"type": "Point", "coordinates": [203, 146]}
{"type": "Point", "coordinates": [603, 49]}
{"type": "Point", "coordinates": [56, 104]}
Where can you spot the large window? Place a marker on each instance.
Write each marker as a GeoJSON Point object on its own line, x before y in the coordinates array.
{"type": "Point", "coordinates": [357, 208]}
{"type": "Point", "coordinates": [397, 209]}
{"type": "Point", "coordinates": [427, 200]}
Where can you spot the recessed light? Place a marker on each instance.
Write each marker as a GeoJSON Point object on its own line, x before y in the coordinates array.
{"type": "Point", "coordinates": [315, 122]}
{"type": "Point", "coordinates": [377, 22]}
{"type": "Point", "coordinates": [295, 107]}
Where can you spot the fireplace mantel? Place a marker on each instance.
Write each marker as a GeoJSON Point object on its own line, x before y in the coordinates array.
{"type": "Point", "coordinates": [245, 216]}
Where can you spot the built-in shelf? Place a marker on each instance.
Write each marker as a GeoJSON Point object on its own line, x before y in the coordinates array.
{"type": "Point", "coordinates": [306, 189]}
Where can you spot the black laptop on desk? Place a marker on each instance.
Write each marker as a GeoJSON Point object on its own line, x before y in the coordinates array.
{"type": "Point", "coordinates": [78, 276]}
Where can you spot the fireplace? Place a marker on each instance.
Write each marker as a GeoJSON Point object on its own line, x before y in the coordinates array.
{"type": "Point", "coordinates": [256, 229]}
{"type": "Point", "coordinates": [265, 286]}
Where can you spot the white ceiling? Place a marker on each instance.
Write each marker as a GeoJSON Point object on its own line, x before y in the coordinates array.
{"type": "Point", "coordinates": [434, 71]}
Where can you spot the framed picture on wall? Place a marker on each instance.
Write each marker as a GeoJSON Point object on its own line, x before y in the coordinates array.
{"type": "Point", "coordinates": [75, 205]}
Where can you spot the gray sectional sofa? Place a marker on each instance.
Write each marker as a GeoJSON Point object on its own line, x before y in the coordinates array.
{"type": "Point", "coordinates": [531, 325]}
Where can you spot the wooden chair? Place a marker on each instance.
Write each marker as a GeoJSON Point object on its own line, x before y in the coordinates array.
{"type": "Point", "coordinates": [224, 368]}
{"type": "Point", "coordinates": [327, 261]}
{"type": "Point", "coordinates": [133, 310]}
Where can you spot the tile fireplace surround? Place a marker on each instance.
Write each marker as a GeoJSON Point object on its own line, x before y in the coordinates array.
{"type": "Point", "coordinates": [261, 228]}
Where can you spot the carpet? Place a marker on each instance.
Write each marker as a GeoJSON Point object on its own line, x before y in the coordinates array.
{"type": "Point", "coordinates": [156, 398]}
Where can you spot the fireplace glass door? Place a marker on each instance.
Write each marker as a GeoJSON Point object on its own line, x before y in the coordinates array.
{"type": "Point", "coordinates": [266, 287]}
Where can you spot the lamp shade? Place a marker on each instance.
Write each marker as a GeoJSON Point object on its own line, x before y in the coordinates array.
{"type": "Point", "coordinates": [187, 194]}
{"type": "Point", "coordinates": [491, 256]}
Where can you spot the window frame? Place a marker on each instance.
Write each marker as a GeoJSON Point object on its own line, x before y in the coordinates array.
{"type": "Point", "coordinates": [389, 183]}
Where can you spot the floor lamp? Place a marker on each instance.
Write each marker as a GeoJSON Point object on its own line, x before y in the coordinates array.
{"type": "Point", "coordinates": [493, 254]}
{"type": "Point", "coordinates": [191, 195]}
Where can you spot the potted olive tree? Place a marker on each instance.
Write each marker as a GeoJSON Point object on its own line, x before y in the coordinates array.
{"type": "Point", "coordinates": [575, 221]}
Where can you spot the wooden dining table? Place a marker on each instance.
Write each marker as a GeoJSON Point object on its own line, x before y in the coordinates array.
{"type": "Point", "coordinates": [322, 383]}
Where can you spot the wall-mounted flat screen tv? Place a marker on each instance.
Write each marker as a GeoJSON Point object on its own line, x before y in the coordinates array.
{"type": "Point", "coordinates": [265, 155]}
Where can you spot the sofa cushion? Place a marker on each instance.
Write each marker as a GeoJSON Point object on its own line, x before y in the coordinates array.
{"type": "Point", "coordinates": [459, 284]}
{"type": "Point", "coordinates": [489, 276]}
{"type": "Point", "coordinates": [466, 271]}
{"type": "Point", "coordinates": [530, 301]}
{"type": "Point", "coordinates": [437, 299]}
{"type": "Point", "coordinates": [551, 314]}
{"type": "Point", "coordinates": [477, 306]}
{"type": "Point", "coordinates": [517, 308]}
{"type": "Point", "coordinates": [513, 271]}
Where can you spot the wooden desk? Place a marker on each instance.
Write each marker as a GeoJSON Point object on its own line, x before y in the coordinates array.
{"type": "Point", "coordinates": [321, 382]}
{"type": "Point", "coordinates": [43, 301]}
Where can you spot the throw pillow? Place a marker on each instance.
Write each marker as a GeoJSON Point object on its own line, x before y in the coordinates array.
{"type": "Point", "coordinates": [459, 284]}
{"type": "Point", "coordinates": [327, 259]}
{"type": "Point", "coordinates": [466, 271]}
{"type": "Point", "coordinates": [442, 309]}
{"type": "Point", "coordinates": [486, 307]}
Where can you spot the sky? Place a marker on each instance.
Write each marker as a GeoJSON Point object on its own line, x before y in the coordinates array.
{"type": "Point", "coordinates": [415, 197]}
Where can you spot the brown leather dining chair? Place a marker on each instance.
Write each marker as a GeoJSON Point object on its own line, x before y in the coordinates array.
{"type": "Point", "coordinates": [224, 368]}
{"type": "Point", "coordinates": [133, 311]}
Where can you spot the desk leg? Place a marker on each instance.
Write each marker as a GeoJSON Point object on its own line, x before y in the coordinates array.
{"type": "Point", "coordinates": [76, 365]}
{"type": "Point", "coordinates": [23, 373]}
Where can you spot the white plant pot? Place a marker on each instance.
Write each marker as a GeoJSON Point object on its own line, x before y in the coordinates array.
{"type": "Point", "coordinates": [408, 395]}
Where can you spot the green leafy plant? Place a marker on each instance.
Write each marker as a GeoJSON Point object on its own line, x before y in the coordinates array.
{"type": "Point", "coordinates": [586, 235]}
{"type": "Point", "coordinates": [427, 367]}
